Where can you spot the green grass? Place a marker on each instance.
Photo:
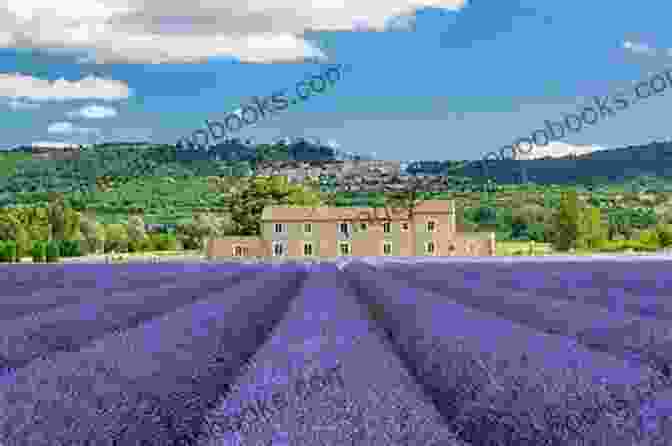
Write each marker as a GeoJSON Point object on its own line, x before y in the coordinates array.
{"type": "Point", "coordinates": [522, 248]}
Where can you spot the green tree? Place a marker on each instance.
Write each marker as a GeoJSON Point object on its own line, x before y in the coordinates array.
{"type": "Point", "coordinates": [649, 238]}
{"type": "Point", "coordinates": [71, 219]}
{"type": "Point", "coordinates": [463, 221]}
{"type": "Point", "coordinates": [192, 234]}
{"type": "Point", "coordinates": [592, 231]}
{"type": "Point", "coordinates": [567, 221]}
{"type": "Point", "coordinates": [621, 222]}
{"type": "Point", "coordinates": [10, 248]}
{"type": "Point", "coordinates": [116, 238]}
{"type": "Point", "coordinates": [36, 222]}
{"type": "Point", "coordinates": [53, 251]}
{"type": "Point", "coordinates": [664, 233]}
{"type": "Point", "coordinates": [23, 242]}
{"type": "Point", "coordinates": [56, 215]}
{"type": "Point", "coordinates": [39, 251]}
{"type": "Point", "coordinates": [250, 198]}
{"type": "Point", "coordinates": [407, 199]}
{"type": "Point", "coordinates": [8, 224]}
{"type": "Point", "coordinates": [92, 233]}
{"type": "Point", "coordinates": [135, 227]}
{"type": "Point", "coordinates": [4, 254]}
{"type": "Point", "coordinates": [164, 242]}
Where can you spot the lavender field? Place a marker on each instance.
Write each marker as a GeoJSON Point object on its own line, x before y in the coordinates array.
{"type": "Point", "coordinates": [384, 352]}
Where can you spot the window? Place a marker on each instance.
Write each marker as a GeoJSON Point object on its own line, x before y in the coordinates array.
{"type": "Point", "coordinates": [386, 227]}
{"type": "Point", "coordinates": [237, 251]}
{"type": "Point", "coordinates": [431, 226]}
{"type": "Point", "coordinates": [307, 249]}
{"type": "Point", "coordinates": [278, 249]}
{"type": "Point", "coordinates": [343, 228]}
{"type": "Point", "coordinates": [387, 248]}
{"type": "Point", "coordinates": [307, 228]}
{"type": "Point", "coordinates": [404, 226]}
{"type": "Point", "coordinates": [344, 249]}
{"type": "Point", "coordinates": [429, 248]}
{"type": "Point", "coordinates": [278, 228]}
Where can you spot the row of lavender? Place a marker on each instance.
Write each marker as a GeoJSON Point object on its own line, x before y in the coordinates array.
{"type": "Point", "coordinates": [620, 311]}
{"type": "Point", "coordinates": [326, 378]}
{"type": "Point", "coordinates": [393, 355]}
{"type": "Point", "coordinates": [514, 365]}
{"type": "Point", "coordinates": [134, 357]}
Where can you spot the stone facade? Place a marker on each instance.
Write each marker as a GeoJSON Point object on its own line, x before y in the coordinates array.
{"type": "Point", "coordinates": [326, 232]}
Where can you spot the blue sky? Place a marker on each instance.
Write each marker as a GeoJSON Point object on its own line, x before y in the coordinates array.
{"type": "Point", "coordinates": [453, 79]}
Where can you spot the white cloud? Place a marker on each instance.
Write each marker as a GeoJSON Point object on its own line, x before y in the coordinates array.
{"type": "Point", "coordinates": [156, 31]}
{"type": "Point", "coordinates": [67, 128]}
{"type": "Point", "coordinates": [639, 48]}
{"type": "Point", "coordinates": [17, 85]}
{"type": "Point", "coordinates": [93, 112]}
{"type": "Point", "coordinates": [556, 149]}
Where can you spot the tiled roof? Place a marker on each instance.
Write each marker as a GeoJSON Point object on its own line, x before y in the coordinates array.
{"type": "Point", "coordinates": [303, 213]}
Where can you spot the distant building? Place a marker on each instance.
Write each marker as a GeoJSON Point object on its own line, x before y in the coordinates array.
{"type": "Point", "coordinates": [53, 152]}
{"type": "Point", "coordinates": [333, 231]}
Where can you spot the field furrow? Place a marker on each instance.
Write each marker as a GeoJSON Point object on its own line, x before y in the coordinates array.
{"type": "Point", "coordinates": [148, 385]}
{"type": "Point", "coordinates": [530, 387]}
{"type": "Point", "coordinates": [70, 327]}
{"type": "Point", "coordinates": [615, 331]}
{"type": "Point", "coordinates": [325, 377]}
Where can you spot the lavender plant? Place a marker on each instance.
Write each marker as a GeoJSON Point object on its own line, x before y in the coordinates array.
{"type": "Point", "coordinates": [148, 385]}
{"type": "Point", "coordinates": [324, 377]}
{"type": "Point", "coordinates": [510, 369]}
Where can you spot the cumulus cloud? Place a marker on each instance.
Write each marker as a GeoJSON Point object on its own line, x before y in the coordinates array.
{"type": "Point", "coordinates": [93, 112]}
{"type": "Point", "coordinates": [639, 48]}
{"type": "Point", "coordinates": [17, 85]}
{"type": "Point", "coordinates": [67, 128]}
{"type": "Point", "coordinates": [156, 31]}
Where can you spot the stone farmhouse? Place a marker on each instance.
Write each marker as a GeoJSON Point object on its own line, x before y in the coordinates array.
{"type": "Point", "coordinates": [328, 232]}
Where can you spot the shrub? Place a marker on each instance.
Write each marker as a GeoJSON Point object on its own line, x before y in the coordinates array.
{"type": "Point", "coordinates": [22, 242]}
{"type": "Point", "coordinates": [70, 248]}
{"type": "Point", "coordinates": [163, 242]}
{"type": "Point", "coordinates": [116, 238]}
{"type": "Point", "coordinates": [10, 251]}
{"type": "Point", "coordinates": [664, 235]}
{"type": "Point", "coordinates": [65, 248]}
{"type": "Point", "coordinates": [649, 239]}
{"type": "Point", "coordinates": [39, 251]}
{"type": "Point", "coordinates": [53, 251]}
{"type": "Point", "coordinates": [142, 245]}
{"type": "Point", "coordinates": [3, 251]}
